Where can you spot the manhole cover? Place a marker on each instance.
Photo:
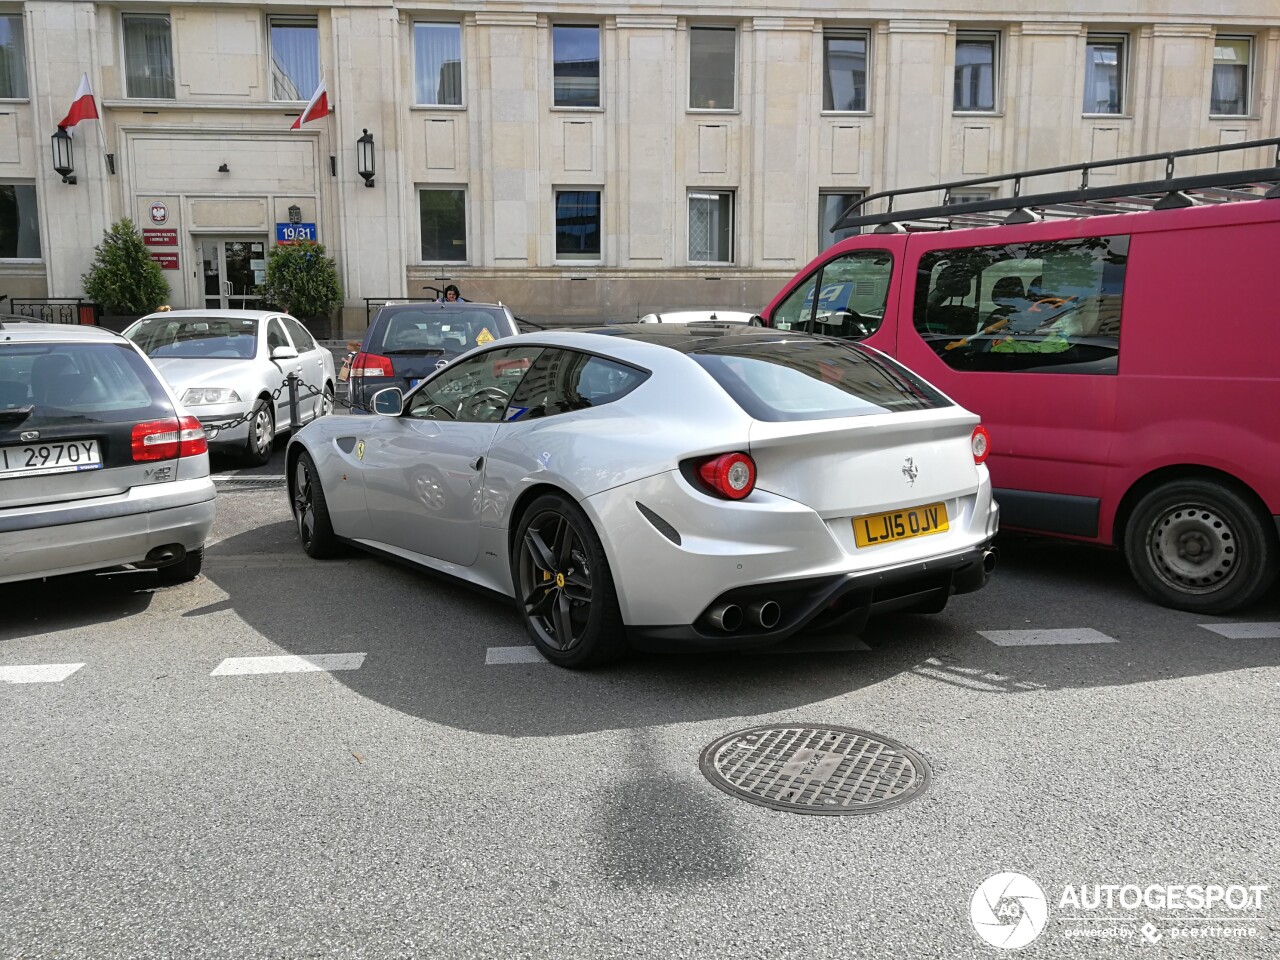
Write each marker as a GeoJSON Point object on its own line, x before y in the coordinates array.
{"type": "Point", "coordinates": [248, 483]}
{"type": "Point", "coordinates": [819, 769]}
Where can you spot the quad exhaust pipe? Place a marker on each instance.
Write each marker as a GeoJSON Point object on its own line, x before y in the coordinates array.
{"type": "Point", "coordinates": [730, 617]}
{"type": "Point", "coordinates": [990, 557]}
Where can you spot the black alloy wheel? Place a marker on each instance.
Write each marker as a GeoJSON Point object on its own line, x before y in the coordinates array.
{"type": "Point", "coordinates": [311, 511]}
{"type": "Point", "coordinates": [564, 587]}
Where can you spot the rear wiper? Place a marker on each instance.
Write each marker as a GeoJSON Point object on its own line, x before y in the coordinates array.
{"type": "Point", "coordinates": [417, 351]}
{"type": "Point", "coordinates": [16, 415]}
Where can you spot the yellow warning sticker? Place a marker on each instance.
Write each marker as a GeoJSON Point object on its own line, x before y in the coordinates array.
{"type": "Point", "coordinates": [483, 337]}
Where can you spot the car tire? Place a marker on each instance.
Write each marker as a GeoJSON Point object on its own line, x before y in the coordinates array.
{"type": "Point", "coordinates": [261, 441]}
{"type": "Point", "coordinates": [563, 587]}
{"type": "Point", "coordinates": [311, 511]}
{"type": "Point", "coordinates": [185, 570]}
{"type": "Point", "coordinates": [1201, 546]}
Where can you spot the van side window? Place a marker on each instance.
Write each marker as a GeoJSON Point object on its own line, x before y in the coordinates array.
{"type": "Point", "coordinates": [1052, 306]}
{"type": "Point", "coordinates": [844, 298]}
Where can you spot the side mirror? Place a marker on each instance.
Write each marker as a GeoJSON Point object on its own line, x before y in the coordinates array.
{"type": "Point", "coordinates": [284, 353]}
{"type": "Point", "coordinates": [756, 321]}
{"type": "Point", "coordinates": [388, 402]}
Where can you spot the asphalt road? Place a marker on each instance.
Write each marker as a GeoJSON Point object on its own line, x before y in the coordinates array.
{"type": "Point", "coordinates": [429, 804]}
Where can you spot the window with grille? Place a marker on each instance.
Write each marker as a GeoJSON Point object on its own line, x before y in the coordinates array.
{"type": "Point", "coordinates": [711, 227]}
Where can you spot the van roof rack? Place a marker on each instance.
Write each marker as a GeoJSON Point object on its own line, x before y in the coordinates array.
{"type": "Point", "coordinates": [1169, 192]}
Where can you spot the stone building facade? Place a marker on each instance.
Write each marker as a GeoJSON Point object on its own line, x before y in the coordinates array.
{"type": "Point", "coordinates": [574, 159]}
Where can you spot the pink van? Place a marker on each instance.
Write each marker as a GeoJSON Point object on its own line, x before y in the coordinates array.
{"type": "Point", "coordinates": [1122, 343]}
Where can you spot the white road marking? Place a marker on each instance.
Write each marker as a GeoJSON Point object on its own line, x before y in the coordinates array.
{"type": "Point", "coordinates": [523, 654]}
{"type": "Point", "coordinates": [312, 663]}
{"type": "Point", "coordinates": [1040, 638]}
{"type": "Point", "coordinates": [1245, 631]}
{"type": "Point", "coordinates": [39, 673]}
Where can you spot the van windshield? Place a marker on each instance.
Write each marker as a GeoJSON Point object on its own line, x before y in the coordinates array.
{"type": "Point", "coordinates": [844, 298]}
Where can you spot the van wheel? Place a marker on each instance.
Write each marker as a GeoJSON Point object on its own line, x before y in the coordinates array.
{"type": "Point", "coordinates": [1200, 546]}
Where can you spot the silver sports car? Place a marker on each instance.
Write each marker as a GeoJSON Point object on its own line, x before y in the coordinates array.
{"type": "Point", "coordinates": [663, 485]}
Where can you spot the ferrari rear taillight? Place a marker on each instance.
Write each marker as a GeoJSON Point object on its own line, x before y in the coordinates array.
{"type": "Point", "coordinates": [168, 439]}
{"type": "Point", "coordinates": [980, 441]}
{"type": "Point", "coordinates": [730, 475]}
{"type": "Point", "coordinates": [371, 365]}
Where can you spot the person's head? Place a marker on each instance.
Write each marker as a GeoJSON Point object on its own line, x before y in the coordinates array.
{"type": "Point", "coordinates": [451, 293]}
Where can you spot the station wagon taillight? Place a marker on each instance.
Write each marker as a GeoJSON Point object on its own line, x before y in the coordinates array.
{"type": "Point", "coordinates": [730, 475]}
{"type": "Point", "coordinates": [168, 439]}
{"type": "Point", "coordinates": [371, 365]}
{"type": "Point", "coordinates": [980, 441]}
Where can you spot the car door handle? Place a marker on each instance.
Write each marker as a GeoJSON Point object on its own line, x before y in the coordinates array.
{"type": "Point", "coordinates": [477, 463]}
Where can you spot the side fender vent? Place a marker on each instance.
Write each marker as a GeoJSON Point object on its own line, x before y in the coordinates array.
{"type": "Point", "coordinates": [664, 528]}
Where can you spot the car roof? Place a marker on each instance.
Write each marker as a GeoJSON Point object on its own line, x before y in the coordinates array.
{"type": "Point", "coordinates": [214, 314]}
{"type": "Point", "coordinates": [645, 343]}
{"type": "Point", "coordinates": [29, 331]}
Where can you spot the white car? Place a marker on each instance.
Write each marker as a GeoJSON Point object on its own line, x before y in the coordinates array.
{"type": "Point", "coordinates": [229, 368]}
{"type": "Point", "coordinates": [702, 316]}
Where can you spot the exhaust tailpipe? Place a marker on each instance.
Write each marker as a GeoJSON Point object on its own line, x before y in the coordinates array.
{"type": "Point", "coordinates": [727, 617]}
{"type": "Point", "coordinates": [990, 557]}
{"type": "Point", "coordinates": [765, 614]}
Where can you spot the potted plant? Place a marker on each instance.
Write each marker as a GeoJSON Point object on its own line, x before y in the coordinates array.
{"type": "Point", "coordinates": [304, 282]}
{"type": "Point", "coordinates": [123, 279]}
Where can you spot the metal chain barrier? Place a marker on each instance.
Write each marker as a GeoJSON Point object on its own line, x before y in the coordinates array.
{"type": "Point", "coordinates": [297, 391]}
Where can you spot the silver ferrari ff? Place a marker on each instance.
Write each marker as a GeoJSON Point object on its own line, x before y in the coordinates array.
{"type": "Point", "coordinates": [663, 485]}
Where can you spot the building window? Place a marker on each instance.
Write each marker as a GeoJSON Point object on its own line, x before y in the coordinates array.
{"type": "Point", "coordinates": [148, 57]}
{"type": "Point", "coordinates": [1231, 80]}
{"type": "Point", "coordinates": [975, 72]}
{"type": "Point", "coordinates": [577, 224]}
{"type": "Point", "coordinates": [576, 52]}
{"type": "Point", "coordinates": [713, 68]}
{"type": "Point", "coordinates": [437, 64]}
{"type": "Point", "coordinates": [844, 82]}
{"type": "Point", "coordinates": [295, 58]}
{"type": "Point", "coordinates": [13, 59]}
{"type": "Point", "coordinates": [830, 207]}
{"type": "Point", "coordinates": [443, 214]}
{"type": "Point", "coordinates": [19, 225]}
{"type": "Point", "coordinates": [969, 196]}
{"type": "Point", "coordinates": [1104, 75]}
{"type": "Point", "coordinates": [711, 227]}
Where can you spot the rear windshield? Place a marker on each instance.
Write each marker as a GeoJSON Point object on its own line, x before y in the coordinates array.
{"type": "Point", "coordinates": [434, 330]}
{"type": "Point", "coordinates": [196, 338]}
{"type": "Point", "coordinates": [42, 383]}
{"type": "Point", "coordinates": [814, 380]}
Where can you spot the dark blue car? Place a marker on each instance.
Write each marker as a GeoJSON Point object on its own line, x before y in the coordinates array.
{"type": "Point", "coordinates": [408, 341]}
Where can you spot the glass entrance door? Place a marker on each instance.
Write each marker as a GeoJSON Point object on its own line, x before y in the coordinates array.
{"type": "Point", "coordinates": [234, 270]}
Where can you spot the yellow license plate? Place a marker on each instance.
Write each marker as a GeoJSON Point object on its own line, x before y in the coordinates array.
{"type": "Point", "coordinates": [880, 528]}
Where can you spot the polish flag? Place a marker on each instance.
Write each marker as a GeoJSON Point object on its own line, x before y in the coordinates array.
{"type": "Point", "coordinates": [317, 107]}
{"type": "Point", "coordinates": [84, 107]}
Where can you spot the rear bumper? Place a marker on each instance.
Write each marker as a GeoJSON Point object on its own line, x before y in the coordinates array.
{"type": "Point", "coordinates": [844, 601]}
{"type": "Point", "coordinates": [105, 532]}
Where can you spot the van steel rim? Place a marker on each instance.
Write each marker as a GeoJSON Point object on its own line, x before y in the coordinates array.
{"type": "Point", "coordinates": [1193, 549]}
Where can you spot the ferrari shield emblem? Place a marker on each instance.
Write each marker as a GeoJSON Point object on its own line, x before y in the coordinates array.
{"type": "Point", "coordinates": [359, 449]}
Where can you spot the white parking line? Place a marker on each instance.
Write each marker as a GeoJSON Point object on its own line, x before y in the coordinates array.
{"type": "Point", "coordinates": [312, 663]}
{"type": "Point", "coordinates": [1245, 631]}
{"type": "Point", "coordinates": [1040, 638]}
{"type": "Point", "coordinates": [523, 654]}
{"type": "Point", "coordinates": [39, 673]}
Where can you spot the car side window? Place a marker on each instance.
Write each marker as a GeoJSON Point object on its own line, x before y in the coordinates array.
{"type": "Point", "coordinates": [845, 298]}
{"type": "Point", "coordinates": [474, 390]}
{"type": "Point", "coordinates": [561, 381]}
{"type": "Point", "coordinates": [1051, 306]}
{"type": "Point", "coordinates": [302, 340]}
{"type": "Point", "coordinates": [275, 335]}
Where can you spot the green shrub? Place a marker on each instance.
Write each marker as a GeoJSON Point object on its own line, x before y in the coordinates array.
{"type": "Point", "coordinates": [123, 278]}
{"type": "Point", "coordinates": [302, 281]}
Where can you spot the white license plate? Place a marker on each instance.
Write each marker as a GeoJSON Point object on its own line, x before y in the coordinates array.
{"type": "Point", "coordinates": [64, 456]}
